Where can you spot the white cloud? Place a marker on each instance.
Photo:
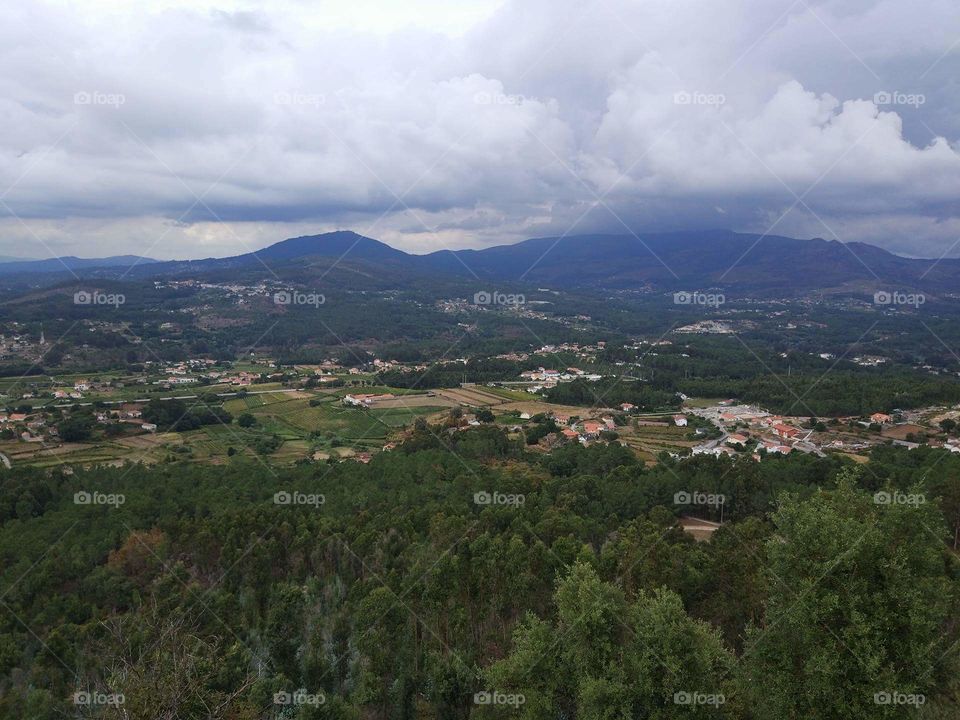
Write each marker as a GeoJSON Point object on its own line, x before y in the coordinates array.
{"type": "Point", "coordinates": [453, 124]}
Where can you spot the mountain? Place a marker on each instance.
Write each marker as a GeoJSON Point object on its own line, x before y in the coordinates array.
{"type": "Point", "coordinates": [335, 244]}
{"type": "Point", "coordinates": [342, 249]}
{"type": "Point", "coordinates": [720, 258]}
{"type": "Point", "coordinates": [71, 264]}
{"type": "Point", "coordinates": [748, 263]}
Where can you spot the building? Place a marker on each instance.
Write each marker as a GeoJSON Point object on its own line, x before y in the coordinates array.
{"type": "Point", "coordinates": [131, 410]}
{"type": "Point", "coordinates": [881, 418]}
{"type": "Point", "coordinates": [177, 380]}
{"type": "Point", "coordinates": [785, 431]}
{"type": "Point", "coordinates": [680, 420]}
{"type": "Point", "coordinates": [773, 447]}
{"type": "Point", "coordinates": [592, 428]}
{"type": "Point", "coordinates": [364, 400]}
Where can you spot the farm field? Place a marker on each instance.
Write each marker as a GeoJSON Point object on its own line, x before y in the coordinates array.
{"type": "Point", "coordinates": [505, 393]}
{"type": "Point", "coordinates": [535, 407]}
{"type": "Point", "coordinates": [473, 396]}
{"type": "Point", "coordinates": [648, 440]}
{"type": "Point", "coordinates": [412, 401]}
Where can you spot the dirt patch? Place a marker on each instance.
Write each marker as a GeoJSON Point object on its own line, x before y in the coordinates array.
{"type": "Point", "coordinates": [411, 401]}
{"type": "Point", "coordinates": [701, 530]}
{"type": "Point", "coordinates": [900, 432]}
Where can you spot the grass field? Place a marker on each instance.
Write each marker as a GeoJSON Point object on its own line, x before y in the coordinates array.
{"type": "Point", "coordinates": [507, 394]}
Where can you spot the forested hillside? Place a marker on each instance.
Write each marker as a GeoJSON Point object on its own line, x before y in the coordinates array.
{"type": "Point", "coordinates": [459, 577]}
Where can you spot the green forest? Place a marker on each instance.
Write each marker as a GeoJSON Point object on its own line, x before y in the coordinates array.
{"type": "Point", "coordinates": [460, 576]}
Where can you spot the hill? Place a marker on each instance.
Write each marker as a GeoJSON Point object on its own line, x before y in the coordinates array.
{"type": "Point", "coordinates": [70, 263]}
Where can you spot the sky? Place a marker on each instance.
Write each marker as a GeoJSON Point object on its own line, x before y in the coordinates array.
{"type": "Point", "coordinates": [187, 129]}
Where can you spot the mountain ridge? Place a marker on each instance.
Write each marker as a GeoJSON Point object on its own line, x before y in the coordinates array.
{"type": "Point", "coordinates": [676, 260]}
{"type": "Point", "coordinates": [71, 263]}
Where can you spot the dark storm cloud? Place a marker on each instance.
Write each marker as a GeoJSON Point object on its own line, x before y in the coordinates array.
{"type": "Point", "coordinates": [829, 118]}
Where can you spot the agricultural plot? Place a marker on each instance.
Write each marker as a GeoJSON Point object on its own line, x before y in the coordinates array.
{"type": "Point", "coordinates": [472, 396]}
{"type": "Point", "coordinates": [648, 440]}
{"type": "Point", "coordinates": [536, 407]}
{"type": "Point", "coordinates": [414, 401]}
{"type": "Point", "coordinates": [507, 394]}
{"type": "Point", "coordinates": [402, 416]}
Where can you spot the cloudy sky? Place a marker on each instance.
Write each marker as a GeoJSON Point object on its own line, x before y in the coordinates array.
{"type": "Point", "coordinates": [196, 128]}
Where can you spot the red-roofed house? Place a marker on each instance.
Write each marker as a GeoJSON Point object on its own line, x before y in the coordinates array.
{"type": "Point", "coordinates": [785, 431]}
{"type": "Point", "coordinates": [591, 428]}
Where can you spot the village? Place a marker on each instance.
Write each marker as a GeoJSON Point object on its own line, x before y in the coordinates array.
{"type": "Point", "coordinates": [325, 411]}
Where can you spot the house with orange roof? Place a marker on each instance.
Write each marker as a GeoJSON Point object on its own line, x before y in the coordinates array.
{"type": "Point", "coordinates": [785, 431]}
{"type": "Point", "coordinates": [592, 428]}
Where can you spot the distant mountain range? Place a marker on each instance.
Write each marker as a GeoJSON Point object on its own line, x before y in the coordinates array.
{"type": "Point", "coordinates": [69, 263]}
{"type": "Point", "coordinates": [668, 261]}
{"type": "Point", "coordinates": [719, 258]}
